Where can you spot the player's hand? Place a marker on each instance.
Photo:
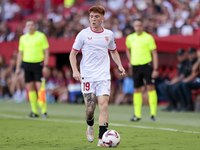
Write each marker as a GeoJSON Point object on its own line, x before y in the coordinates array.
{"type": "Point", "coordinates": [154, 74]}
{"type": "Point", "coordinates": [44, 70]}
{"type": "Point", "coordinates": [17, 71]}
{"type": "Point", "coordinates": [77, 76]}
{"type": "Point", "coordinates": [122, 70]}
{"type": "Point", "coordinates": [129, 64]}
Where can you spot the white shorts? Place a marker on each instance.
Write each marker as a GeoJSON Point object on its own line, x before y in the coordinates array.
{"type": "Point", "coordinates": [97, 87]}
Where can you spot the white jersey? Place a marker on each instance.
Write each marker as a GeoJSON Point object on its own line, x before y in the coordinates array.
{"type": "Point", "coordinates": [95, 63]}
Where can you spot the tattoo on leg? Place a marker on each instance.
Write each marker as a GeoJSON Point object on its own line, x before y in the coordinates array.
{"type": "Point", "coordinates": [90, 103]}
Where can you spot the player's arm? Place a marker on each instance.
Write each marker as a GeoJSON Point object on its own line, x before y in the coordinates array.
{"type": "Point", "coordinates": [46, 60]}
{"type": "Point", "coordinates": [73, 61]}
{"type": "Point", "coordinates": [194, 73]}
{"type": "Point", "coordinates": [177, 79]}
{"type": "Point", "coordinates": [128, 54]}
{"type": "Point", "coordinates": [155, 63]}
{"type": "Point", "coordinates": [19, 61]}
{"type": "Point", "coordinates": [116, 58]}
{"type": "Point", "coordinates": [46, 57]}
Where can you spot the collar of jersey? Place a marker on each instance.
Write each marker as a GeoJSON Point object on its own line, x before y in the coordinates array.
{"type": "Point", "coordinates": [95, 31]}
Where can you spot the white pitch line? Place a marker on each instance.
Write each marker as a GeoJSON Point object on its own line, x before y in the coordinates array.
{"type": "Point", "coordinates": [112, 124]}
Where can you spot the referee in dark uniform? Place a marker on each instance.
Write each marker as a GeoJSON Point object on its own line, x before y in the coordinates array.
{"type": "Point", "coordinates": [33, 49]}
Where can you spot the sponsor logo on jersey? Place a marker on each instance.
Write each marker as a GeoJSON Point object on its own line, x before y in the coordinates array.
{"type": "Point", "coordinates": [107, 38]}
{"type": "Point", "coordinates": [89, 38]}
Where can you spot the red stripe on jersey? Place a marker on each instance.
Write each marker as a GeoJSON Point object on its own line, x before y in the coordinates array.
{"type": "Point", "coordinates": [112, 50]}
{"type": "Point", "coordinates": [95, 31]}
{"type": "Point", "coordinates": [75, 49]}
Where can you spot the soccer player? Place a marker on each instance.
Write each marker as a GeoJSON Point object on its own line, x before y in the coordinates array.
{"type": "Point", "coordinates": [95, 42]}
{"type": "Point", "coordinates": [141, 48]}
{"type": "Point", "coordinates": [33, 49]}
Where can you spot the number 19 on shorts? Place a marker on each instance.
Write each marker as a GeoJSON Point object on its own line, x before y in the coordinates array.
{"type": "Point", "coordinates": [86, 86]}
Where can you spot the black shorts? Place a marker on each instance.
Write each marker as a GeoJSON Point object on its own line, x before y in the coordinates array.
{"type": "Point", "coordinates": [141, 73]}
{"type": "Point", "coordinates": [33, 71]}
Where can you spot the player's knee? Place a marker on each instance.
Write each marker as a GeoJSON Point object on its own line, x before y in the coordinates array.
{"type": "Point", "coordinates": [104, 107]}
{"type": "Point", "coordinates": [90, 111]}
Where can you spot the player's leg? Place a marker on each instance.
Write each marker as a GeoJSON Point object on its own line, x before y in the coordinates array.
{"type": "Point", "coordinates": [90, 103]}
{"type": "Point", "coordinates": [103, 95]}
{"type": "Point", "coordinates": [32, 98]}
{"type": "Point", "coordinates": [166, 89]}
{"type": "Point", "coordinates": [179, 96]}
{"type": "Point", "coordinates": [137, 95]}
{"type": "Point", "coordinates": [103, 116]}
{"type": "Point", "coordinates": [153, 100]}
{"type": "Point", "coordinates": [187, 87]}
{"type": "Point", "coordinates": [30, 84]}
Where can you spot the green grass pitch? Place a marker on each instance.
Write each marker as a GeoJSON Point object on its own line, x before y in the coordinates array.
{"type": "Point", "coordinates": [65, 129]}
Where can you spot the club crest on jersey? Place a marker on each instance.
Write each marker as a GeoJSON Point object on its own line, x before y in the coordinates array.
{"type": "Point", "coordinates": [107, 38]}
{"type": "Point", "coordinates": [89, 38]}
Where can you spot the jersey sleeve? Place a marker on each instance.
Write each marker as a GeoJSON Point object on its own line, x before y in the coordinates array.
{"type": "Point", "coordinates": [152, 44]}
{"type": "Point", "coordinates": [112, 44]}
{"type": "Point", "coordinates": [78, 43]}
{"type": "Point", "coordinates": [127, 42]}
{"type": "Point", "coordinates": [21, 45]}
{"type": "Point", "coordinates": [45, 43]}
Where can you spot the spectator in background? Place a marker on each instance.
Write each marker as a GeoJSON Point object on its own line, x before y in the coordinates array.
{"type": "Point", "coordinates": [179, 93]}
{"type": "Point", "coordinates": [174, 29]}
{"type": "Point", "coordinates": [186, 87]}
{"type": "Point", "coordinates": [167, 88]}
{"type": "Point", "coordinates": [10, 9]}
{"type": "Point", "coordinates": [187, 28]}
{"type": "Point", "coordinates": [60, 90]}
{"type": "Point", "coordinates": [49, 86]}
{"type": "Point", "coordinates": [18, 32]}
{"type": "Point", "coordinates": [68, 77]}
{"type": "Point", "coordinates": [15, 84]}
{"type": "Point", "coordinates": [128, 87]}
{"type": "Point", "coordinates": [6, 34]}
{"type": "Point", "coordinates": [3, 66]}
{"type": "Point", "coordinates": [119, 95]}
{"type": "Point", "coordinates": [9, 35]}
{"type": "Point", "coordinates": [27, 6]}
{"type": "Point", "coordinates": [40, 25]}
{"type": "Point", "coordinates": [54, 15]}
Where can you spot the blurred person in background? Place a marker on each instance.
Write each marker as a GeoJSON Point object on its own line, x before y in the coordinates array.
{"type": "Point", "coordinates": [140, 46]}
{"type": "Point", "coordinates": [126, 96]}
{"type": "Point", "coordinates": [183, 72]}
{"type": "Point", "coordinates": [193, 77]}
{"type": "Point", "coordinates": [60, 89]}
{"type": "Point", "coordinates": [187, 28]}
{"type": "Point", "coordinates": [33, 49]}
{"type": "Point", "coordinates": [10, 9]}
{"type": "Point", "coordinates": [50, 85]}
{"type": "Point", "coordinates": [119, 95]}
{"type": "Point", "coordinates": [3, 66]}
{"type": "Point", "coordinates": [27, 6]}
{"type": "Point", "coordinates": [15, 84]}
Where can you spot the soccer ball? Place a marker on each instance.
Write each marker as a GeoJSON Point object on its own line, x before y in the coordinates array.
{"type": "Point", "coordinates": [111, 138]}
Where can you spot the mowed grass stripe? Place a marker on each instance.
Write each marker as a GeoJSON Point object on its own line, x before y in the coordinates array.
{"type": "Point", "coordinates": [83, 122]}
